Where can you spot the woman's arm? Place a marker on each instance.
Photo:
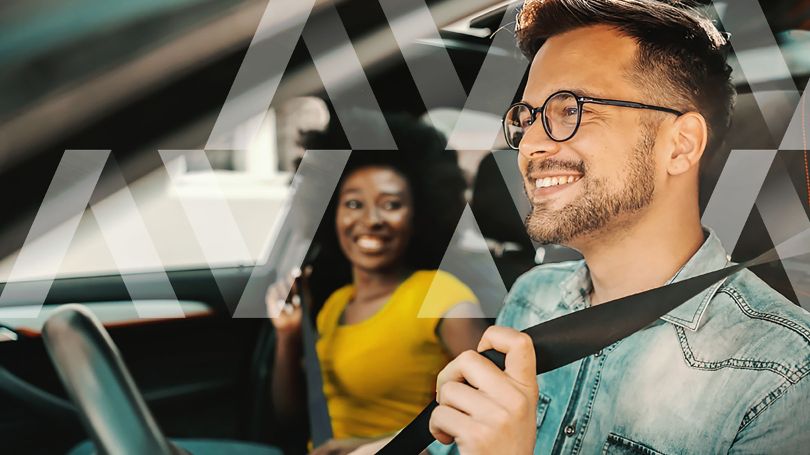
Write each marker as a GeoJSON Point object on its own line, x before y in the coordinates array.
{"type": "Point", "coordinates": [461, 328]}
{"type": "Point", "coordinates": [352, 446]}
{"type": "Point", "coordinates": [371, 447]}
{"type": "Point", "coordinates": [287, 379]}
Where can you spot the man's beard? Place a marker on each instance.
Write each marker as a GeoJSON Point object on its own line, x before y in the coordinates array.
{"type": "Point", "coordinates": [598, 205]}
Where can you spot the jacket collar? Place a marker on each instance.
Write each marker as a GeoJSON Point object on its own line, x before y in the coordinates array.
{"type": "Point", "coordinates": [709, 257]}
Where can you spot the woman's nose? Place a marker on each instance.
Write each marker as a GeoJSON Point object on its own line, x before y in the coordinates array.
{"type": "Point", "coordinates": [372, 217]}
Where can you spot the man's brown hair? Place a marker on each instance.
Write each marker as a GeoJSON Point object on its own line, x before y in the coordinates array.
{"type": "Point", "coordinates": [681, 58]}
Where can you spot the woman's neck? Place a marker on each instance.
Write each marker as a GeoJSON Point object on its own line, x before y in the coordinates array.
{"type": "Point", "coordinates": [370, 285]}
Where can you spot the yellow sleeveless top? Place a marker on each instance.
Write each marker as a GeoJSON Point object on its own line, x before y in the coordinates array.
{"type": "Point", "coordinates": [380, 373]}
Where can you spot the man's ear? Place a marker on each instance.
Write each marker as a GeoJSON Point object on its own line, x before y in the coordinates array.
{"type": "Point", "coordinates": [690, 134]}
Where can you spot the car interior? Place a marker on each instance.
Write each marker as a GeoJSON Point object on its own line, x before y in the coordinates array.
{"type": "Point", "coordinates": [145, 78]}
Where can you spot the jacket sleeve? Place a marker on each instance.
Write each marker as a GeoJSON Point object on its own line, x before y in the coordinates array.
{"type": "Point", "coordinates": [781, 426]}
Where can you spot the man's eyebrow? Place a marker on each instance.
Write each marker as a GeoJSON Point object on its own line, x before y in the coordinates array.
{"type": "Point", "coordinates": [587, 93]}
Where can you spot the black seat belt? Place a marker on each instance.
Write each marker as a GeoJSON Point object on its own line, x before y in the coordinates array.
{"type": "Point", "coordinates": [320, 425]}
{"type": "Point", "coordinates": [568, 338]}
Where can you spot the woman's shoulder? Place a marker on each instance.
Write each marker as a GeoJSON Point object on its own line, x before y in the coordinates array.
{"type": "Point", "coordinates": [437, 291]}
{"type": "Point", "coordinates": [429, 278]}
{"type": "Point", "coordinates": [340, 295]}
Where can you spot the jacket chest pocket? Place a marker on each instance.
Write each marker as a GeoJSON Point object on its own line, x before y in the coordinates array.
{"type": "Point", "coordinates": [619, 445]}
{"type": "Point", "coordinates": [542, 406]}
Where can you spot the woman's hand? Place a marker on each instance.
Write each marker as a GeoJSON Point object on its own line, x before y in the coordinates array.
{"type": "Point", "coordinates": [286, 315]}
{"type": "Point", "coordinates": [287, 383]}
{"type": "Point", "coordinates": [372, 447]}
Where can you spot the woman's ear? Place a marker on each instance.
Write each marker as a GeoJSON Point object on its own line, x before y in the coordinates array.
{"type": "Point", "coordinates": [690, 134]}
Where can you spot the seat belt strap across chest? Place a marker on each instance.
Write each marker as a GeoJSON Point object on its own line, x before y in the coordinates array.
{"type": "Point", "coordinates": [568, 338]}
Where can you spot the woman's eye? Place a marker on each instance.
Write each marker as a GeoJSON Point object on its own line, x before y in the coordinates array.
{"type": "Point", "coordinates": [392, 205]}
{"type": "Point", "coordinates": [352, 204]}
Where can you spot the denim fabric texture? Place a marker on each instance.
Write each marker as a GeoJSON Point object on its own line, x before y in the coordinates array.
{"type": "Point", "coordinates": [726, 372]}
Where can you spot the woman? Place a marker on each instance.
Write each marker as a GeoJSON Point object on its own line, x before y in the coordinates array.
{"type": "Point", "coordinates": [384, 336]}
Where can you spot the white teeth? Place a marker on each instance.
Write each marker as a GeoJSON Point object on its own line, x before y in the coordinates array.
{"type": "Point", "coordinates": [553, 181]}
{"type": "Point", "coordinates": [370, 243]}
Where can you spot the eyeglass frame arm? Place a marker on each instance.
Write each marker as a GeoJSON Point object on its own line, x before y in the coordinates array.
{"type": "Point", "coordinates": [630, 104]}
{"type": "Point", "coordinates": [533, 111]}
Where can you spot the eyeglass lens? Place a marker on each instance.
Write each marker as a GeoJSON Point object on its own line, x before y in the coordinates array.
{"type": "Point", "coordinates": [560, 118]}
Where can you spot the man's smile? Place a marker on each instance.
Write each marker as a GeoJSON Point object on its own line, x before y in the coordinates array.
{"type": "Point", "coordinates": [549, 183]}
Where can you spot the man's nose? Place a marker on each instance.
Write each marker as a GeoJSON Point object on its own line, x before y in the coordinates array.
{"type": "Point", "coordinates": [536, 144]}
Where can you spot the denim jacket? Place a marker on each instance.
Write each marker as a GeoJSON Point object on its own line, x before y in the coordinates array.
{"type": "Point", "coordinates": [726, 372]}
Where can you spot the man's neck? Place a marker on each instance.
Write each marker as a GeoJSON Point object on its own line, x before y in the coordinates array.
{"type": "Point", "coordinates": [639, 257]}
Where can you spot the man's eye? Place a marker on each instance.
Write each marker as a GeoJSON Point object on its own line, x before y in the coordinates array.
{"type": "Point", "coordinates": [352, 204]}
{"type": "Point", "coordinates": [392, 205]}
{"type": "Point", "coordinates": [570, 111]}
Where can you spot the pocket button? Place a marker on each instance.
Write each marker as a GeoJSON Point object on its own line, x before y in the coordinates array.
{"type": "Point", "coordinates": [569, 430]}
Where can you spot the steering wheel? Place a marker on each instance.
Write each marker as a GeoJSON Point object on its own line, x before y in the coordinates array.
{"type": "Point", "coordinates": [111, 408]}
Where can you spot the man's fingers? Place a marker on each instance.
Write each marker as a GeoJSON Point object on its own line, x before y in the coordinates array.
{"type": "Point", "coordinates": [446, 423]}
{"type": "Point", "coordinates": [519, 350]}
{"type": "Point", "coordinates": [494, 408]}
{"type": "Point", "coordinates": [474, 369]}
{"type": "Point", "coordinates": [469, 401]}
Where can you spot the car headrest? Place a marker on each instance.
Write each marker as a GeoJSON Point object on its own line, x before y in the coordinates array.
{"type": "Point", "coordinates": [497, 216]}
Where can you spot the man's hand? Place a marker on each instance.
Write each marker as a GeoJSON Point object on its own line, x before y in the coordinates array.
{"type": "Point", "coordinates": [486, 410]}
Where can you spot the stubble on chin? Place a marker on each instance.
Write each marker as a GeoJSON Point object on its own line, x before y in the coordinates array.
{"type": "Point", "coordinates": [598, 207]}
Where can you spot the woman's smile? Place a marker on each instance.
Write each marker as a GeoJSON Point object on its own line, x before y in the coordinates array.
{"type": "Point", "coordinates": [370, 244]}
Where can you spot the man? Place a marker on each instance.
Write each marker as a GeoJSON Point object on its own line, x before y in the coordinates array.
{"type": "Point", "coordinates": [726, 372]}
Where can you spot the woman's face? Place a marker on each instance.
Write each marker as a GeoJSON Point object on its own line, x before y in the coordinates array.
{"type": "Point", "coordinates": [374, 219]}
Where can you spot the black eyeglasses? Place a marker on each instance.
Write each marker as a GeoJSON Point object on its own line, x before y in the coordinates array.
{"type": "Point", "coordinates": [561, 115]}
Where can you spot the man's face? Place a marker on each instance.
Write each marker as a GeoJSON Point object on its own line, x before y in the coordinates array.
{"type": "Point", "coordinates": [609, 163]}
